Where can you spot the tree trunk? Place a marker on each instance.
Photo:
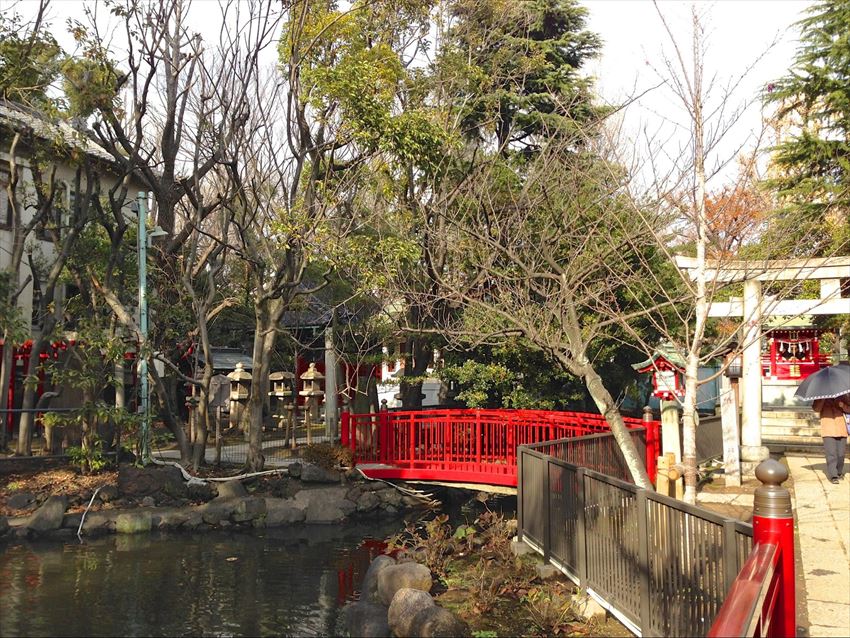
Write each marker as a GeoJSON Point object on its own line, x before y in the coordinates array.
{"type": "Point", "coordinates": [174, 425]}
{"type": "Point", "coordinates": [267, 313]}
{"type": "Point", "coordinates": [5, 380]}
{"type": "Point", "coordinates": [202, 415]}
{"type": "Point", "coordinates": [415, 365]}
{"type": "Point", "coordinates": [608, 409]}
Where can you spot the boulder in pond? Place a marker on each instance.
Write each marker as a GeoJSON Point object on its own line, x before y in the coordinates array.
{"type": "Point", "coordinates": [406, 605]}
{"type": "Point", "coordinates": [369, 589]}
{"type": "Point", "coordinates": [134, 522]}
{"type": "Point", "coordinates": [367, 620]}
{"type": "Point", "coordinates": [367, 502]}
{"type": "Point", "coordinates": [50, 515]}
{"type": "Point", "coordinates": [249, 509]}
{"type": "Point", "coordinates": [404, 576]}
{"type": "Point", "coordinates": [283, 512]}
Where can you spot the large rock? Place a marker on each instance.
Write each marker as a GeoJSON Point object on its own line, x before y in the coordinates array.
{"type": "Point", "coordinates": [231, 489]}
{"type": "Point", "coordinates": [249, 509]}
{"type": "Point", "coordinates": [50, 515]}
{"type": "Point", "coordinates": [283, 512]}
{"type": "Point", "coordinates": [367, 620]}
{"type": "Point", "coordinates": [153, 479]}
{"type": "Point", "coordinates": [391, 497]}
{"type": "Point", "coordinates": [325, 505]}
{"type": "Point", "coordinates": [311, 473]}
{"type": "Point", "coordinates": [367, 502]}
{"type": "Point", "coordinates": [404, 576]}
{"type": "Point", "coordinates": [406, 605]}
{"type": "Point", "coordinates": [436, 622]}
{"type": "Point", "coordinates": [136, 522]}
{"type": "Point", "coordinates": [199, 492]}
{"type": "Point", "coordinates": [324, 512]}
{"type": "Point", "coordinates": [369, 589]}
{"type": "Point", "coordinates": [20, 500]}
{"type": "Point", "coordinates": [216, 511]}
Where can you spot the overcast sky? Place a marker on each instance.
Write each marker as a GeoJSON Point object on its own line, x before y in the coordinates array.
{"type": "Point", "coordinates": [739, 32]}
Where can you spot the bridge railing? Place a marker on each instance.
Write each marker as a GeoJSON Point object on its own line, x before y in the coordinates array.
{"type": "Point", "coordinates": [663, 567]}
{"type": "Point", "coordinates": [470, 445]}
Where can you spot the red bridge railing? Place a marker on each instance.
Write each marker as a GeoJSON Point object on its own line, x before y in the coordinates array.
{"type": "Point", "coordinates": [469, 446]}
{"type": "Point", "coordinates": [762, 599]}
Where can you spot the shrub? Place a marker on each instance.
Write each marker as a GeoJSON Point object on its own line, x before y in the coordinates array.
{"type": "Point", "coordinates": [327, 456]}
{"type": "Point", "coordinates": [549, 608]}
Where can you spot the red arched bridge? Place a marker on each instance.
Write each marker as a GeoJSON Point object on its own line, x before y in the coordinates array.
{"type": "Point", "coordinates": [474, 446]}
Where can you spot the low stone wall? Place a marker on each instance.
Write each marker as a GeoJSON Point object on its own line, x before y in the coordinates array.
{"type": "Point", "coordinates": [133, 506]}
{"type": "Point", "coordinates": [395, 600]}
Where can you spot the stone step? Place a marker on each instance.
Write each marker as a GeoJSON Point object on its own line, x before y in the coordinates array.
{"type": "Point", "coordinates": [789, 415]}
{"type": "Point", "coordinates": [808, 443]}
{"type": "Point", "coordinates": [790, 429]}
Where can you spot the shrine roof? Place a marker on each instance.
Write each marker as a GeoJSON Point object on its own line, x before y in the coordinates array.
{"type": "Point", "coordinates": [666, 351]}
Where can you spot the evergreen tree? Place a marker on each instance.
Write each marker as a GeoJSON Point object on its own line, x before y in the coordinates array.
{"type": "Point", "coordinates": [518, 68]}
{"type": "Point", "coordinates": [813, 163]}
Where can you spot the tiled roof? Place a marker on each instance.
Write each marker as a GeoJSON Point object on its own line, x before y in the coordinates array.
{"type": "Point", "coordinates": [17, 116]}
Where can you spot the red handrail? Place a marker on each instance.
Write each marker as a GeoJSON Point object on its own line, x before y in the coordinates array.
{"type": "Point", "coordinates": [751, 601]}
{"type": "Point", "coordinates": [762, 599]}
{"type": "Point", "coordinates": [467, 445]}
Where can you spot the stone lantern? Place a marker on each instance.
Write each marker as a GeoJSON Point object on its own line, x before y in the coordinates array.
{"type": "Point", "coordinates": [312, 393]}
{"type": "Point", "coordinates": [240, 390]}
{"type": "Point", "coordinates": [282, 405]}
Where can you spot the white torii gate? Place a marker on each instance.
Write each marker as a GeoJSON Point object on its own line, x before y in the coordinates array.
{"type": "Point", "coordinates": [754, 307]}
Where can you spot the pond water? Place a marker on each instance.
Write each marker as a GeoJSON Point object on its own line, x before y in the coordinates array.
{"type": "Point", "coordinates": [289, 581]}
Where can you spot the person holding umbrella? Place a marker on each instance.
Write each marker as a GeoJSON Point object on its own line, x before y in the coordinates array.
{"type": "Point", "coordinates": [830, 389]}
{"type": "Point", "coordinates": [833, 429]}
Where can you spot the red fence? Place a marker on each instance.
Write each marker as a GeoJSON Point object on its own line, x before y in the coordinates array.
{"type": "Point", "coordinates": [762, 599]}
{"type": "Point", "coordinates": [469, 446]}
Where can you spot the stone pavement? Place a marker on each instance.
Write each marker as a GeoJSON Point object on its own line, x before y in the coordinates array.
{"type": "Point", "coordinates": [822, 513]}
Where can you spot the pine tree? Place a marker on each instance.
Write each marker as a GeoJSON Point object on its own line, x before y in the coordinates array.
{"type": "Point", "coordinates": [812, 165]}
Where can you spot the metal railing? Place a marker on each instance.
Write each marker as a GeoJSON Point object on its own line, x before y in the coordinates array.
{"type": "Point", "coordinates": [661, 566]}
{"type": "Point", "coordinates": [476, 446]}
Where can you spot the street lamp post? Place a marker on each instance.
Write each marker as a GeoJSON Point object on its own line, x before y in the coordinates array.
{"type": "Point", "coordinates": [144, 240]}
{"type": "Point", "coordinates": [144, 407]}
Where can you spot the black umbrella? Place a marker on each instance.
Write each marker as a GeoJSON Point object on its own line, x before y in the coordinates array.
{"type": "Point", "coordinates": [826, 383]}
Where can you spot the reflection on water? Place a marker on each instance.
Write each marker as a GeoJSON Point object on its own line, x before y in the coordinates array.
{"type": "Point", "coordinates": [288, 581]}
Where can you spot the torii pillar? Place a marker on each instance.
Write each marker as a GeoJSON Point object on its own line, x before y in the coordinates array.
{"type": "Point", "coordinates": [752, 451]}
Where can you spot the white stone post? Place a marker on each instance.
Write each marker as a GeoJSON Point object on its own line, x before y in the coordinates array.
{"type": "Point", "coordinates": [752, 452]}
{"type": "Point", "coordinates": [330, 386]}
{"type": "Point", "coordinates": [729, 425]}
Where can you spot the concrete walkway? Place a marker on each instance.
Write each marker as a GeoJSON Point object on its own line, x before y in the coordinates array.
{"type": "Point", "coordinates": [822, 513]}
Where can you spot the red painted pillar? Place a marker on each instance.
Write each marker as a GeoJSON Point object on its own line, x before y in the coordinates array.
{"type": "Point", "coordinates": [773, 523]}
{"type": "Point", "coordinates": [652, 447]}
{"type": "Point", "coordinates": [477, 440]}
{"type": "Point", "coordinates": [773, 357]}
{"type": "Point", "coordinates": [344, 424]}
{"type": "Point", "coordinates": [383, 434]}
